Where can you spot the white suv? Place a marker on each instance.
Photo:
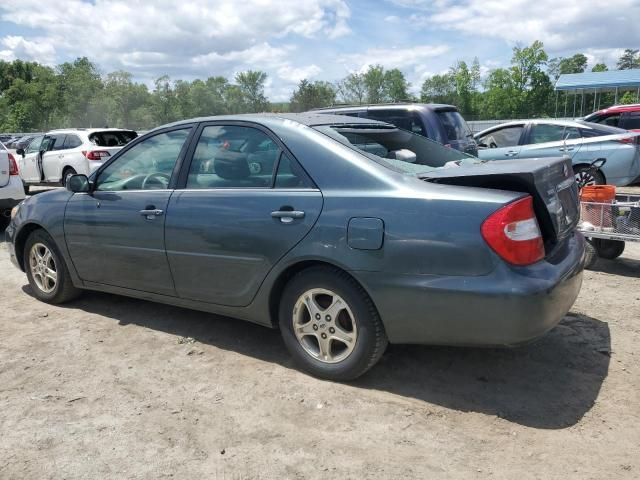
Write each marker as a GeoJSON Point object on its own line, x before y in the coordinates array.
{"type": "Point", "coordinates": [11, 191]}
{"type": "Point", "coordinates": [55, 156]}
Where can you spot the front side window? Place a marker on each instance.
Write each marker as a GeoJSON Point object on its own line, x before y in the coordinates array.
{"type": "Point", "coordinates": [611, 120]}
{"type": "Point", "coordinates": [146, 166]}
{"type": "Point", "coordinates": [632, 122]}
{"type": "Point", "coordinates": [543, 133]}
{"type": "Point", "coordinates": [34, 145]}
{"type": "Point", "coordinates": [503, 137]}
{"type": "Point", "coordinates": [231, 156]}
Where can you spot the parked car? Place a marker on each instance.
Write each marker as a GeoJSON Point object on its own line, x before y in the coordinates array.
{"type": "Point", "coordinates": [621, 116]}
{"type": "Point", "coordinates": [12, 141]}
{"type": "Point", "coordinates": [22, 142]}
{"type": "Point", "coordinates": [52, 158]}
{"type": "Point", "coordinates": [583, 142]}
{"type": "Point", "coordinates": [442, 123]}
{"type": "Point", "coordinates": [11, 192]}
{"type": "Point", "coordinates": [345, 232]}
{"type": "Point", "coordinates": [4, 138]}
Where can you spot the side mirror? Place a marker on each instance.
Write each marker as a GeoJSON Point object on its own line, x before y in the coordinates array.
{"type": "Point", "coordinates": [78, 184]}
{"type": "Point", "coordinates": [20, 151]}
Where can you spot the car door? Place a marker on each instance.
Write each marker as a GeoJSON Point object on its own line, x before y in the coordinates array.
{"type": "Point", "coordinates": [551, 140]}
{"type": "Point", "coordinates": [501, 143]}
{"type": "Point", "coordinates": [245, 204]}
{"type": "Point", "coordinates": [28, 163]}
{"type": "Point", "coordinates": [115, 234]}
{"type": "Point", "coordinates": [53, 157]}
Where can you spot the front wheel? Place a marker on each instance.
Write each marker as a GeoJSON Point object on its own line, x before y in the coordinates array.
{"type": "Point", "coordinates": [66, 175]}
{"type": "Point", "coordinates": [47, 273]}
{"type": "Point", "coordinates": [330, 325]}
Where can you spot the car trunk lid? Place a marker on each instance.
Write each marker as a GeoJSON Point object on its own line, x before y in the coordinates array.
{"type": "Point", "coordinates": [549, 181]}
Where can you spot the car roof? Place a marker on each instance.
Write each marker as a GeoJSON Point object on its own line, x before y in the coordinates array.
{"type": "Point", "coordinates": [87, 130]}
{"type": "Point", "coordinates": [310, 119]}
{"type": "Point", "coordinates": [635, 107]}
{"type": "Point", "coordinates": [388, 106]}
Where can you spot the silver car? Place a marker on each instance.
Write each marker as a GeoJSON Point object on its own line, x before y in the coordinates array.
{"type": "Point", "coordinates": [583, 142]}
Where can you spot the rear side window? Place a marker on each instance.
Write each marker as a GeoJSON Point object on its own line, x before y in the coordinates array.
{"type": "Point", "coordinates": [543, 133]}
{"type": "Point", "coordinates": [230, 156]}
{"type": "Point", "coordinates": [112, 138]}
{"type": "Point", "coordinates": [72, 141]}
{"type": "Point", "coordinates": [403, 119]}
{"type": "Point", "coordinates": [632, 122]}
{"type": "Point", "coordinates": [455, 127]}
{"type": "Point", "coordinates": [55, 142]}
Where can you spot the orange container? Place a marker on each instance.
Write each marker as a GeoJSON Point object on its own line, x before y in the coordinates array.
{"type": "Point", "coordinates": [598, 193]}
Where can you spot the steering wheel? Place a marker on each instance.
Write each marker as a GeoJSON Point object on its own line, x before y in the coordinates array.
{"type": "Point", "coordinates": [158, 178]}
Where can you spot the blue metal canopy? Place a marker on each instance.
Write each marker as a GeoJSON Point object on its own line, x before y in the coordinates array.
{"type": "Point", "coordinates": [599, 80]}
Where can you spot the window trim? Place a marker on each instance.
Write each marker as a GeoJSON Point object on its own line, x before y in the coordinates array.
{"type": "Point", "coordinates": [176, 169]}
{"type": "Point", "coordinates": [181, 183]}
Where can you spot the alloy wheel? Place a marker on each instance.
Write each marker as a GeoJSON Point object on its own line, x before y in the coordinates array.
{"type": "Point", "coordinates": [324, 325]}
{"type": "Point", "coordinates": [43, 267]}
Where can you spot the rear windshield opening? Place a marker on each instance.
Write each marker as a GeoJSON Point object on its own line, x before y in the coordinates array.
{"type": "Point", "coordinates": [398, 149]}
{"type": "Point", "coordinates": [111, 138]}
{"type": "Point", "coordinates": [454, 125]}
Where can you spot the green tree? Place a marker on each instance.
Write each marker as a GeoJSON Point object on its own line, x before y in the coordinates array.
{"type": "Point", "coordinates": [396, 86]}
{"type": "Point", "coordinates": [352, 89]}
{"type": "Point", "coordinates": [629, 59]}
{"type": "Point", "coordinates": [599, 67]}
{"type": "Point", "coordinates": [439, 89]}
{"type": "Point", "coordinates": [251, 84]}
{"type": "Point", "coordinates": [310, 95]}
{"type": "Point", "coordinates": [79, 91]}
{"type": "Point", "coordinates": [375, 84]}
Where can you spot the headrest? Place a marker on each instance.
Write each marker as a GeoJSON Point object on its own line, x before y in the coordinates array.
{"type": "Point", "coordinates": [231, 165]}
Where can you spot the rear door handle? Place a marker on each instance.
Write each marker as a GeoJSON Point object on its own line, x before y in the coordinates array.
{"type": "Point", "coordinates": [287, 216]}
{"type": "Point", "coordinates": [511, 153]}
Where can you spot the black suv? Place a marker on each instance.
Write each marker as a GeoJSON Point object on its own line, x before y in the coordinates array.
{"type": "Point", "coordinates": [442, 123]}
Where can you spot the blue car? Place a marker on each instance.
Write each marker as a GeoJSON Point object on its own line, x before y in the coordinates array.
{"type": "Point", "coordinates": [582, 142]}
{"type": "Point", "coordinates": [345, 233]}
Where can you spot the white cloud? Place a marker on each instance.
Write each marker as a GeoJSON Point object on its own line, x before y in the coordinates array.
{"type": "Point", "coordinates": [184, 39]}
{"type": "Point", "coordinates": [560, 25]}
{"type": "Point", "coordinates": [414, 58]}
{"type": "Point", "coordinates": [39, 50]}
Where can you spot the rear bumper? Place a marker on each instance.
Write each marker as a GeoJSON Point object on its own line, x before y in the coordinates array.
{"type": "Point", "coordinates": [512, 305]}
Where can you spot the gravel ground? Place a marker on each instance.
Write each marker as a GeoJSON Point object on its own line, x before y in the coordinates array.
{"type": "Point", "coordinates": [111, 387]}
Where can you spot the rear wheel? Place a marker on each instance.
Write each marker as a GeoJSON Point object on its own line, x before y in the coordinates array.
{"type": "Point", "coordinates": [587, 176]}
{"type": "Point", "coordinates": [608, 249]}
{"type": "Point", "coordinates": [590, 255]}
{"type": "Point", "coordinates": [47, 273]}
{"type": "Point", "coordinates": [330, 325]}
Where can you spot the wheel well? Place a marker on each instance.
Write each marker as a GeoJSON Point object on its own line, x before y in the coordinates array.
{"type": "Point", "coordinates": [586, 165]}
{"type": "Point", "coordinates": [21, 239]}
{"type": "Point", "coordinates": [286, 275]}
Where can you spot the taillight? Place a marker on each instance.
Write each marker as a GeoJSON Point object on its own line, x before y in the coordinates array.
{"type": "Point", "coordinates": [628, 140]}
{"type": "Point", "coordinates": [13, 166]}
{"type": "Point", "coordinates": [513, 233]}
{"type": "Point", "coordinates": [95, 154]}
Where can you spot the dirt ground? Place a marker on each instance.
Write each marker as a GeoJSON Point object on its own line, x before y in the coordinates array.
{"type": "Point", "coordinates": [111, 387]}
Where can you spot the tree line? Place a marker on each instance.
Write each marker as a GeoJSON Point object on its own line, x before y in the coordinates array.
{"type": "Point", "coordinates": [35, 97]}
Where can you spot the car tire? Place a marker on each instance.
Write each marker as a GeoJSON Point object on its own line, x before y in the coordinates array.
{"type": "Point", "coordinates": [26, 188]}
{"type": "Point", "coordinates": [4, 222]}
{"type": "Point", "coordinates": [66, 174]}
{"type": "Point", "coordinates": [354, 338]}
{"type": "Point", "coordinates": [47, 272]}
{"type": "Point", "coordinates": [590, 255]}
{"type": "Point", "coordinates": [609, 249]}
{"type": "Point", "coordinates": [584, 176]}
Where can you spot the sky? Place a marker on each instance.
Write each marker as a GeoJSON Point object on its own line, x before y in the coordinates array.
{"type": "Point", "coordinates": [314, 39]}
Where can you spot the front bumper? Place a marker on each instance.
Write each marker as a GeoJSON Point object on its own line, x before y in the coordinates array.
{"type": "Point", "coordinates": [512, 305]}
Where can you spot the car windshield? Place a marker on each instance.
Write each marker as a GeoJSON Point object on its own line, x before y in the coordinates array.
{"type": "Point", "coordinates": [394, 148]}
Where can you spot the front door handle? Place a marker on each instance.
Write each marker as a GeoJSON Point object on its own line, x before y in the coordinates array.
{"type": "Point", "coordinates": [151, 213]}
{"type": "Point", "coordinates": [511, 153]}
{"type": "Point", "coordinates": [287, 216]}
